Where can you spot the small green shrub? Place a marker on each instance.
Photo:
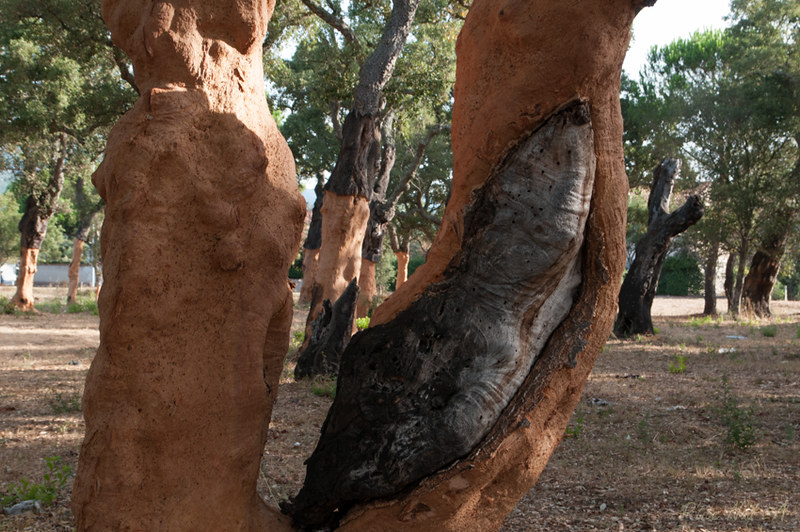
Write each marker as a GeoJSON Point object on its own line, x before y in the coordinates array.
{"type": "Point", "coordinates": [323, 386]}
{"type": "Point", "coordinates": [573, 431]}
{"type": "Point", "coordinates": [700, 320]}
{"type": "Point", "coordinates": [54, 480]}
{"type": "Point", "coordinates": [83, 304]}
{"type": "Point", "coordinates": [53, 306]}
{"type": "Point", "coordinates": [643, 427]}
{"type": "Point", "coordinates": [680, 276]}
{"type": "Point", "coordinates": [65, 404]}
{"type": "Point", "coordinates": [677, 364]}
{"type": "Point", "coordinates": [362, 323]}
{"type": "Point", "coordinates": [769, 331]}
{"type": "Point", "coordinates": [740, 422]}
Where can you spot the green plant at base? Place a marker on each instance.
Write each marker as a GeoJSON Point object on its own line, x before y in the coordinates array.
{"type": "Point", "coordinates": [54, 480]}
{"type": "Point", "coordinates": [769, 331]}
{"type": "Point", "coordinates": [83, 305]}
{"type": "Point", "coordinates": [51, 307]}
{"type": "Point", "coordinates": [362, 323]}
{"type": "Point", "coordinates": [643, 427]}
{"type": "Point", "coordinates": [323, 386]}
{"type": "Point", "coordinates": [677, 364]}
{"type": "Point", "coordinates": [65, 404]}
{"type": "Point", "coordinates": [740, 422]}
{"type": "Point", "coordinates": [574, 431]}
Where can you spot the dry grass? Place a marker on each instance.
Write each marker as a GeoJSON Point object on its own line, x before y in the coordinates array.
{"type": "Point", "coordinates": [645, 449]}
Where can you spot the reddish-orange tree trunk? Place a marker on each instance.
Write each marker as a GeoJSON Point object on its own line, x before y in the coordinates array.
{"type": "Point", "coordinates": [23, 298]}
{"type": "Point", "coordinates": [402, 268]}
{"type": "Point", "coordinates": [75, 269]}
{"type": "Point", "coordinates": [203, 218]}
{"type": "Point", "coordinates": [448, 410]}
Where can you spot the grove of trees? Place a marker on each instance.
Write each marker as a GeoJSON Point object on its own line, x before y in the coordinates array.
{"type": "Point", "coordinates": [454, 127]}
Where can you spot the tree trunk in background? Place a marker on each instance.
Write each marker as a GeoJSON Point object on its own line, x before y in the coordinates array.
{"type": "Point", "coordinates": [330, 333]}
{"type": "Point", "coordinates": [366, 284]}
{"type": "Point", "coordinates": [311, 245]}
{"type": "Point", "coordinates": [730, 271]}
{"type": "Point", "coordinates": [710, 281]}
{"type": "Point", "coordinates": [639, 288]}
{"type": "Point", "coordinates": [345, 209]}
{"type": "Point", "coordinates": [764, 269]}
{"type": "Point", "coordinates": [33, 228]}
{"type": "Point", "coordinates": [447, 410]}
{"type": "Point", "coordinates": [402, 268]}
{"type": "Point", "coordinates": [75, 270]}
{"type": "Point", "coordinates": [736, 297]}
{"type": "Point", "coordinates": [203, 218]}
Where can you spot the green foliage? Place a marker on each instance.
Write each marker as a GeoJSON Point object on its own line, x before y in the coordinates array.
{"type": "Point", "coordinates": [46, 492]}
{"type": "Point", "coordinates": [740, 422]}
{"type": "Point", "coordinates": [9, 234]}
{"type": "Point", "coordinates": [362, 323]}
{"type": "Point", "coordinates": [65, 404]}
{"type": "Point", "coordinates": [643, 427]}
{"type": "Point", "coordinates": [323, 386]}
{"type": "Point", "coordinates": [296, 268]}
{"type": "Point", "coordinates": [574, 430]}
{"type": "Point", "coordinates": [56, 247]}
{"type": "Point", "coordinates": [769, 331]}
{"type": "Point", "coordinates": [677, 364]}
{"type": "Point", "coordinates": [53, 306]}
{"type": "Point", "coordinates": [83, 304]}
{"type": "Point", "coordinates": [680, 276]}
{"type": "Point", "coordinates": [415, 262]}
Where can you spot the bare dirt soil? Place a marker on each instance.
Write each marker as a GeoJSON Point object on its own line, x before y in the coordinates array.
{"type": "Point", "coordinates": [645, 449]}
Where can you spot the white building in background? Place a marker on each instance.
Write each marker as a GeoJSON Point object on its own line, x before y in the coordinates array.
{"type": "Point", "coordinates": [49, 274]}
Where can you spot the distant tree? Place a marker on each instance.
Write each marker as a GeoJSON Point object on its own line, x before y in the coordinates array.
{"type": "Point", "coordinates": [61, 85]}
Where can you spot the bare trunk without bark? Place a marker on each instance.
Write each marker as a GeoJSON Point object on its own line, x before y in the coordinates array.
{"type": "Point", "coordinates": [402, 268]}
{"type": "Point", "coordinates": [639, 288]}
{"type": "Point", "coordinates": [75, 270]}
{"type": "Point", "coordinates": [203, 218]}
{"type": "Point", "coordinates": [359, 158]}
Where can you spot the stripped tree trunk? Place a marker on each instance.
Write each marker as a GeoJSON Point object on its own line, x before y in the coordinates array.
{"type": "Point", "coordinates": [203, 218]}
{"type": "Point", "coordinates": [39, 208]}
{"type": "Point", "coordinates": [639, 288]}
{"type": "Point", "coordinates": [345, 209]}
{"type": "Point", "coordinates": [402, 268]}
{"type": "Point", "coordinates": [75, 269]}
{"type": "Point", "coordinates": [311, 245]}
{"type": "Point", "coordinates": [448, 409]}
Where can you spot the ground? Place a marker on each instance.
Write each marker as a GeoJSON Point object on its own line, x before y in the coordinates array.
{"type": "Point", "coordinates": [645, 450]}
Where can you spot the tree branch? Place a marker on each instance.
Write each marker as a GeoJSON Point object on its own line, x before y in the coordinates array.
{"type": "Point", "coordinates": [333, 21]}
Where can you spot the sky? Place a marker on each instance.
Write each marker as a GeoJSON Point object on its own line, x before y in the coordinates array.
{"type": "Point", "coordinates": [669, 20]}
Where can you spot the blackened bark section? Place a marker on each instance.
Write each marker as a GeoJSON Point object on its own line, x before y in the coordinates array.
{"type": "Point", "coordinates": [314, 237]}
{"type": "Point", "coordinates": [764, 268]}
{"type": "Point", "coordinates": [710, 281]}
{"type": "Point", "coordinates": [421, 391]}
{"type": "Point", "coordinates": [40, 207]}
{"type": "Point", "coordinates": [330, 333]}
{"type": "Point", "coordinates": [730, 270]}
{"type": "Point", "coordinates": [639, 288]}
{"type": "Point", "coordinates": [357, 165]}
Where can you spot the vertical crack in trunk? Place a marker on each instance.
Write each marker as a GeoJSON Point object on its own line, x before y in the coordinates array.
{"type": "Point", "coordinates": [421, 391]}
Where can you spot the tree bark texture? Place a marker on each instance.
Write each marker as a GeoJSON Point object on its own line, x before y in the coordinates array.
{"type": "Point", "coordinates": [203, 218]}
{"type": "Point", "coordinates": [730, 271]}
{"type": "Point", "coordinates": [368, 288]}
{"type": "Point", "coordinates": [402, 268]}
{"type": "Point", "coordinates": [710, 281]}
{"type": "Point", "coordinates": [484, 357]}
{"type": "Point", "coordinates": [344, 222]}
{"type": "Point", "coordinates": [738, 285]}
{"type": "Point", "coordinates": [312, 244]}
{"type": "Point", "coordinates": [764, 269]}
{"type": "Point", "coordinates": [74, 270]}
{"type": "Point", "coordinates": [639, 288]}
{"type": "Point", "coordinates": [358, 163]}
{"type": "Point", "coordinates": [330, 333]}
